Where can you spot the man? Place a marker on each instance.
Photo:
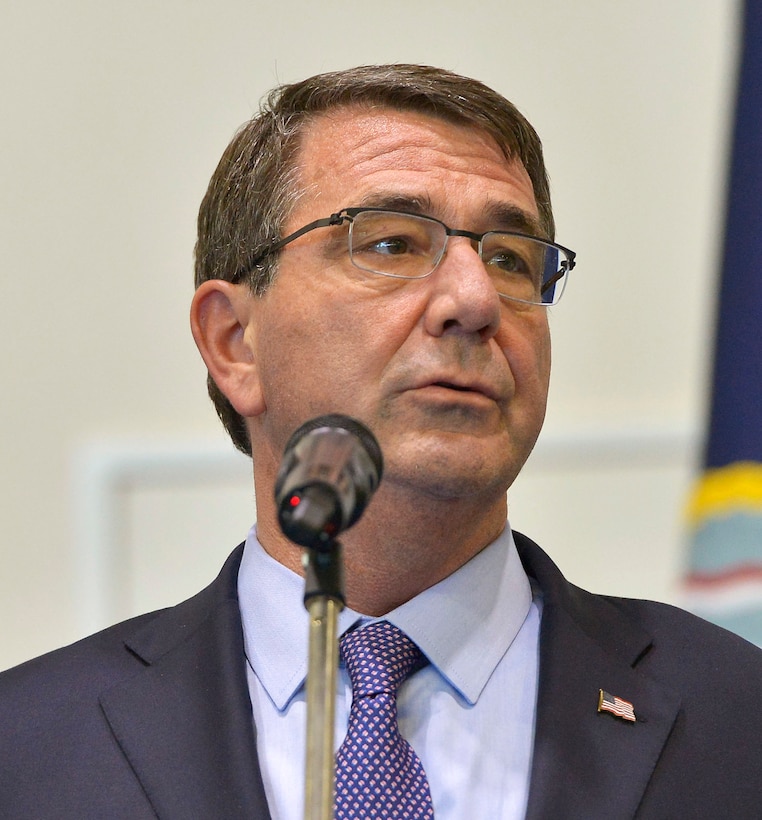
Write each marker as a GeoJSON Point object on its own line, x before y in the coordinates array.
{"type": "Point", "coordinates": [379, 243]}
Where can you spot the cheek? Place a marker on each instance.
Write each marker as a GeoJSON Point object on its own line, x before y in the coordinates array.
{"type": "Point", "coordinates": [334, 351]}
{"type": "Point", "coordinates": [544, 360]}
{"type": "Point", "coordinates": [327, 341]}
{"type": "Point", "coordinates": [526, 346]}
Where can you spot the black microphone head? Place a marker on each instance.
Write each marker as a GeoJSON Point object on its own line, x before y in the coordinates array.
{"type": "Point", "coordinates": [331, 466]}
{"type": "Point", "coordinates": [340, 421]}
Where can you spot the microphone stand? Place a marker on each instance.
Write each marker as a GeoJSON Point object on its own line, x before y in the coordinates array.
{"type": "Point", "coordinates": [324, 599]}
{"type": "Point", "coordinates": [331, 466]}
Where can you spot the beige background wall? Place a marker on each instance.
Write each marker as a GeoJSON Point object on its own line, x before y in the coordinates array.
{"type": "Point", "coordinates": [118, 489]}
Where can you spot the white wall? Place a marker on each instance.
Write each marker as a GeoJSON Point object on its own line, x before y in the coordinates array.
{"type": "Point", "coordinates": [113, 118]}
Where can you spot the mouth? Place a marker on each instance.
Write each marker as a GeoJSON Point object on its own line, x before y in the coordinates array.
{"type": "Point", "coordinates": [478, 389]}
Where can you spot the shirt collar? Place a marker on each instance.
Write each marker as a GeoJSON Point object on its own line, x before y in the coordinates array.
{"type": "Point", "coordinates": [464, 624]}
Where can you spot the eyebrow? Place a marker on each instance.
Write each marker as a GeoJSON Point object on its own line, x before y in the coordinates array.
{"type": "Point", "coordinates": [399, 202]}
{"type": "Point", "coordinates": [497, 215]}
{"type": "Point", "coordinates": [512, 218]}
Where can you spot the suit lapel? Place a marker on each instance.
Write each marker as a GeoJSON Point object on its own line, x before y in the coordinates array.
{"type": "Point", "coordinates": [590, 764]}
{"type": "Point", "coordinates": [183, 721]}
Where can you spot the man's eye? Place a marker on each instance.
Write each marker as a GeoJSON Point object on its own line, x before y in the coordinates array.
{"type": "Point", "coordinates": [390, 246]}
{"type": "Point", "coordinates": [508, 262]}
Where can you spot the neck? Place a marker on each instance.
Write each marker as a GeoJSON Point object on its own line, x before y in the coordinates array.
{"type": "Point", "coordinates": [404, 543]}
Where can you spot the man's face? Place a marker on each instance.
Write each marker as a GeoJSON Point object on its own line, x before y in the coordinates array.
{"type": "Point", "coordinates": [451, 379]}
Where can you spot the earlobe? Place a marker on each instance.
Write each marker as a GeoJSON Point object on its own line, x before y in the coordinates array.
{"type": "Point", "coordinates": [221, 323]}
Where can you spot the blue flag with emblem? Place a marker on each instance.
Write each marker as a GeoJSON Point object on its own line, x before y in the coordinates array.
{"type": "Point", "coordinates": [724, 583]}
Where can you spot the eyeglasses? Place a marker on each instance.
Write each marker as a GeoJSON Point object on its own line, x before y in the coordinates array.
{"type": "Point", "coordinates": [409, 246]}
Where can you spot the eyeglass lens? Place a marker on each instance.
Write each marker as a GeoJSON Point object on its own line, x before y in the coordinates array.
{"type": "Point", "coordinates": [410, 247]}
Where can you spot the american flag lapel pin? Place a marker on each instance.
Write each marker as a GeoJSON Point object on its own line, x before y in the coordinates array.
{"type": "Point", "coordinates": [615, 706]}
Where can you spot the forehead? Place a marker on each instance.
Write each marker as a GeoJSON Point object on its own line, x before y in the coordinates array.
{"type": "Point", "coordinates": [351, 157]}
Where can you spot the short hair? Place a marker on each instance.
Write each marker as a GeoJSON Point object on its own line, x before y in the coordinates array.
{"type": "Point", "coordinates": [255, 185]}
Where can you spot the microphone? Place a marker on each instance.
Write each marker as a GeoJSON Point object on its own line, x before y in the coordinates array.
{"type": "Point", "coordinates": [331, 467]}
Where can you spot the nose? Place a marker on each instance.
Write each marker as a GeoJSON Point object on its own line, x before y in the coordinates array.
{"type": "Point", "coordinates": [463, 298]}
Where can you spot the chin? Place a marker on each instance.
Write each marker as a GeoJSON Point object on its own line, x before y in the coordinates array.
{"type": "Point", "coordinates": [452, 476]}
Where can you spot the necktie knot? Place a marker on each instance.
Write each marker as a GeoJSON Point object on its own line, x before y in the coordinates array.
{"type": "Point", "coordinates": [379, 657]}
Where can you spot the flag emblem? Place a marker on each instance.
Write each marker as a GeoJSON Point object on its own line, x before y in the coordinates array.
{"type": "Point", "coordinates": [616, 706]}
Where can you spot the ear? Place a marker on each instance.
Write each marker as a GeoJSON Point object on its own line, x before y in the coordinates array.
{"type": "Point", "coordinates": [222, 325]}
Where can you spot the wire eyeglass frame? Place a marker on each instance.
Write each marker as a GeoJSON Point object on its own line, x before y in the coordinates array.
{"type": "Point", "coordinates": [549, 284]}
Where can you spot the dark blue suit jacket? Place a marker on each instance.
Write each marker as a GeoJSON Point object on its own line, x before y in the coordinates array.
{"type": "Point", "coordinates": [151, 718]}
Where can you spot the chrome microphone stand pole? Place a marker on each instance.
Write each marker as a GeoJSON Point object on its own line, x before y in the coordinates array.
{"type": "Point", "coordinates": [324, 600]}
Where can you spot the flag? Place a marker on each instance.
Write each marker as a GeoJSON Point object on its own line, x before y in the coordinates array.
{"type": "Point", "coordinates": [724, 582]}
{"type": "Point", "coordinates": [616, 706]}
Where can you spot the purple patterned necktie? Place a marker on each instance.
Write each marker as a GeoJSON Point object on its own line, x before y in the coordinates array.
{"type": "Point", "coordinates": [378, 775]}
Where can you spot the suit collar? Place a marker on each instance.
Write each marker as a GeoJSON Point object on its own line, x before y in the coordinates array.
{"type": "Point", "coordinates": [586, 763]}
{"type": "Point", "coordinates": [183, 721]}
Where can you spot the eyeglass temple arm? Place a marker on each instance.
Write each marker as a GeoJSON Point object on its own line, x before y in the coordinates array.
{"type": "Point", "coordinates": [565, 268]}
{"type": "Point", "coordinates": [333, 219]}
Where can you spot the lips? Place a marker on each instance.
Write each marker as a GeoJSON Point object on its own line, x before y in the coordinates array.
{"type": "Point", "coordinates": [464, 387]}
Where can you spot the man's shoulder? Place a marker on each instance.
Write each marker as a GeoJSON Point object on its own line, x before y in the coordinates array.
{"type": "Point", "coordinates": [678, 637]}
{"type": "Point", "coordinates": [665, 619]}
{"type": "Point", "coordinates": [93, 659]}
{"type": "Point", "coordinates": [667, 640]}
{"type": "Point", "coordinates": [88, 725]}
{"type": "Point", "coordinates": [700, 654]}
{"type": "Point", "coordinates": [692, 687]}
{"type": "Point", "coordinates": [78, 671]}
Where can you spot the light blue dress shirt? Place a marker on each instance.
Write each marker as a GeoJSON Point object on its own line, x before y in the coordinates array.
{"type": "Point", "coordinates": [469, 714]}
